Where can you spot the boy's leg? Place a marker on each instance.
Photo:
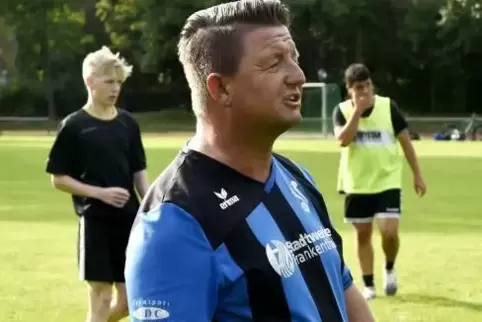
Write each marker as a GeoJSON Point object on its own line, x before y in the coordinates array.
{"type": "Point", "coordinates": [120, 238]}
{"type": "Point", "coordinates": [388, 215]}
{"type": "Point", "coordinates": [94, 260]}
{"type": "Point", "coordinates": [118, 307]}
{"type": "Point", "coordinates": [359, 212]}
{"type": "Point", "coordinates": [99, 298]}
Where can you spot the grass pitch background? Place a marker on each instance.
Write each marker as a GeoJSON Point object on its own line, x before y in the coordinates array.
{"type": "Point", "coordinates": [439, 265]}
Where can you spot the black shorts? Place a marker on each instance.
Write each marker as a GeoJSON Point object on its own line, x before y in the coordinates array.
{"type": "Point", "coordinates": [362, 208]}
{"type": "Point", "coordinates": [102, 243]}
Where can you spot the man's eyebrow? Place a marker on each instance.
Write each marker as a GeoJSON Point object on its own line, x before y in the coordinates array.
{"type": "Point", "coordinates": [283, 47]}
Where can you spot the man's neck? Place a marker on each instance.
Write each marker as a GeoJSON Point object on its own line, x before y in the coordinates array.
{"type": "Point", "coordinates": [244, 154]}
{"type": "Point", "coordinates": [103, 112]}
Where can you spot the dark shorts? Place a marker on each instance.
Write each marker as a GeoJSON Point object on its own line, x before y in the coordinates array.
{"type": "Point", "coordinates": [102, 243]}
{"type": "Point", "coordinates": [362, 208]}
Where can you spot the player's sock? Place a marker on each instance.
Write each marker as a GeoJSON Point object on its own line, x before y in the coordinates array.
{"type": "Point", "coordinates": [368, 280]}
{"type": "Point", "coordinates": [389, 266]}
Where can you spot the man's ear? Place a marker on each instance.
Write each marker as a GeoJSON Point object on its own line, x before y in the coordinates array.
{"type": "Point", "coordinates": [219, 89]}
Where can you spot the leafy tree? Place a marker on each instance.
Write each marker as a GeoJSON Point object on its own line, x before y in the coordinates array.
{"type": "Point", "coordinates": [50, 36]}
{"type": "Point", "coordinates": [461, 30]}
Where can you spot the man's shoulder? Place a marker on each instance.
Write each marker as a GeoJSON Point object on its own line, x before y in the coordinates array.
{"type": "Point", "coordinates": [168, 186]}
{"type": "Point", "coordinates": [296, 169]}
{"type": "Point", "coordinates": [287, 162]}
{"type": "Point", "coordinates": [213, 195]}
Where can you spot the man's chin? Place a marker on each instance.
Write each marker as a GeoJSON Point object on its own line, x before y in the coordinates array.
{"type": "Point", "coordinates": [296, 118]}
{"type": "Point", "coordinates": [291, 121]}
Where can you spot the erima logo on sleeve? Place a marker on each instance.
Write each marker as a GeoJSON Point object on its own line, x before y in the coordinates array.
{"type": "Point", "coordinates": [223, 195]}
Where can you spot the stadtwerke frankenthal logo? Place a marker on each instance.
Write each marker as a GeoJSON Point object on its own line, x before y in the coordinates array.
{"type": "Point", "coordinates": [280, 258]}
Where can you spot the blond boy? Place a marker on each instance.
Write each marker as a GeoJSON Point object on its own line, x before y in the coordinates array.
{"type": "Point", "coordinates": [98, 157]}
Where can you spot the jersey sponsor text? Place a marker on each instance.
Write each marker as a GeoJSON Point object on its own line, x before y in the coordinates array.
{"type": "Point", "coordinates": [284, 255]}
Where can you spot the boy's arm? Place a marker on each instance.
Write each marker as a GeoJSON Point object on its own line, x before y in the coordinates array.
{"type": "Point", "coordinates": [113, 196]}
{"type": "Point", "coordinates": [411, 156]}
{"type": "Point", "coordinates": [141, 182]}
{"type": "Point", "coordinates": [346, 133]}
{"type": "Point", "coordinates": [138, 163]}
{"type": "Point", "coordinates": [400, 127]}
{"type": "Point", "coordinates": [72, 186]}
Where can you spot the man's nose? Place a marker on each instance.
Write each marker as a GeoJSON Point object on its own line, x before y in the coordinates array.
{"type": "Point", "coordinates": [296, 76]}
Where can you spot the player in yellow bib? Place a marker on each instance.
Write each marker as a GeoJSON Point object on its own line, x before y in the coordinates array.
{"type": "Point", "coordinates": [369, 128]}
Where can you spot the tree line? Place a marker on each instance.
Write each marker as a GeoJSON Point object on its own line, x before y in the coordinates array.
{"type": "Point", "coordinates": [426, 54]}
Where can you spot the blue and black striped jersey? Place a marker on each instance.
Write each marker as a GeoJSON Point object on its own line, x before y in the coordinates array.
{"type": "Point", "coordinates": [210, 244]}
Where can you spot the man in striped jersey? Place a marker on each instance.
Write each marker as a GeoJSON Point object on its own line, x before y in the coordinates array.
{"type": "Point", "coordinates": [230, 231]}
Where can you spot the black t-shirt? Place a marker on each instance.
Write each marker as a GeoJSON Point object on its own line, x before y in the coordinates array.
{"type": "Point", "coordinates": [399, 122]}
{"type": "Point", "coordinates": [104, 153]}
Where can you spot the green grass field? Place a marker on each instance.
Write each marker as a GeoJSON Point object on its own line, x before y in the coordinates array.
{"type": "Point", "coordinates": [439, 265]}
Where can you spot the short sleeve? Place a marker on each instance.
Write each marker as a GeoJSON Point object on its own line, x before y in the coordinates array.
{"type": "Point", "coordinates": [347, 278]}
{"type": "Point", "coordinates": [307, 174]}
{"type": "Point", "coordinates": [338, 117]}
{"type": "Point", "coordinates": [399, 122]}
{"type": "Point", "coordinates": [137, 157]}
{"type": "Point", "coordinates": [62, 156]}
{"type": "Point", "coordinates": [170, 268]}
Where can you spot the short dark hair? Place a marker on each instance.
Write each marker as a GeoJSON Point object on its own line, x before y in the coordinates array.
{"type": "Point", "coordinates": [356, 73]}
{"type": "Point", "coordinates": [211, 39]}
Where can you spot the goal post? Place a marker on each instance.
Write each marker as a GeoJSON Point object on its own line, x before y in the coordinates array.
{"type": "Point", "coordinates": [318, 102]}
{"type": "Point", "coordinates": [322, 89]}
